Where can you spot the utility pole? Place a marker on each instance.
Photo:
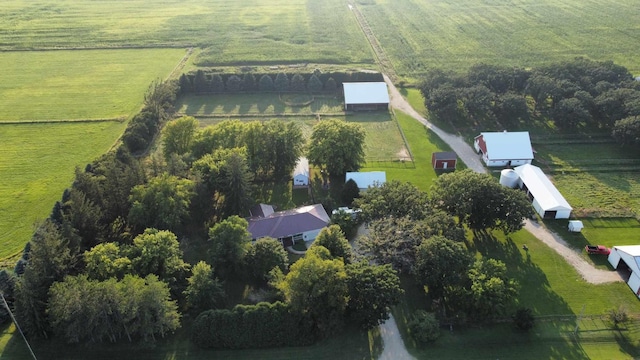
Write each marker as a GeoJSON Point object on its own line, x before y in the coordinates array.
{"type": "Point", "coordinates": [18, 326]}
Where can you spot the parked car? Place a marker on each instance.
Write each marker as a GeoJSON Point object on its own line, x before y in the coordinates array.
{"type": "Point", "coordinates": [597, 249]}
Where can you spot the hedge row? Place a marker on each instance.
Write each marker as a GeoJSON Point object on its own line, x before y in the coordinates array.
{"type": "Point", "coordinates": [251, 326]}
{"type": "Point", "coordinates": [202, 81]}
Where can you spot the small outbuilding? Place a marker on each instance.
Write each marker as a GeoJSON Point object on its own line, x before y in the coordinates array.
{"type": "Point", "coordinates": [545, 197]}
{"type": "Point", "coordinates": [365, 96]}
{"type": "Point", "coordinates": [504, 148]}
{"type": "Point", "coordinates": [627, 258]}
{"type": "Point", "coordinates": [444, 160]}
{"type": "Point", "coordinates": [301, 173]}
{"type": "Point", "coordinates": [575, 225]}
{"type": "Point", "coordinates": [367, 179]}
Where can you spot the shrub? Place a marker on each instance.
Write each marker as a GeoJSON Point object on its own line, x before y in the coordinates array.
{"type": "Point", "coordinates": [424, 327]}
{"type": "Point", "coordinates": [523, 319]}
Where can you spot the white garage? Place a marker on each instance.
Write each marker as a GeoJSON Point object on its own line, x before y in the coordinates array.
{"type": "Point", "coordinates": [627, 257]}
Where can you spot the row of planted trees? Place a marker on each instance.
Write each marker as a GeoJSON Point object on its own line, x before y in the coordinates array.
{"type": "Point", "coordinates": [202, 81]}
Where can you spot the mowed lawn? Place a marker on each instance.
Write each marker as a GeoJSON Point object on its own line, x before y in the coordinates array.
{"type": "Point", "coordinates": [268, 104]}
{"type": "Point", "coordinates": [36, 165]}
{"type": "Point", "coordinates": [455, 34]}
{"type": "Point", "coordinates": [241, 31]}
{"type": "Point", "coordinates": [81, 84]}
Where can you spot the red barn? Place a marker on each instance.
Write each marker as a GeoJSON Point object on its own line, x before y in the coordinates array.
{"type": "Point", "coordinates": [445, 160]}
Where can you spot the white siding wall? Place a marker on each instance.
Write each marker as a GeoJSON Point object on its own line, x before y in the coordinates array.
{"type": "Point", "coordinates": [614, 258]}
{"type": "Point", "coordinates": [310, 235]}
{"type": "Point", "coordinates": [634, 283]}
{"type": "Point", "coordinates": [538, 208]}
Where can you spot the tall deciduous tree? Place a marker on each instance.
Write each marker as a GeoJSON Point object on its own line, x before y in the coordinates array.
{"type": "Point", "coordinates": [337, 146]}
{"type": "Point", "coordinates": [480, 201]}
{"type": "Point", "coordinates": [265, 255]}
{"type": "Point", "coordinates": [204, 291]}
{"type": "Point", "coordinates": [332, 238]}
{"type": "Point", "coordinates": [157, 252]}
{"type": "Point", "coordinates": [106, 261]}
{"type": "Point", "coordinates": [373, 290]}
{"type": "Point", "coordinates": [627, 131]}
{"type": "Point", "coordinates": [163, 203]}
{"type": "Point", "coordinates": [393, 199]}
{"type": "Point", "coordinates": [441, 263]}
{"type": "Point", "coordinates": [178, 136]}
{"type": "Point", "coordinates": [229, 241]}
{"type": "Point", "coordinates": [317, 287]}
{"type": "Point", "coordinates": [490, 290]}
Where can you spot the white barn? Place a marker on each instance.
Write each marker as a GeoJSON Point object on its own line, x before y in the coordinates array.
{"type": "Point", "coordinates": [301, 173]}
{"type": "Point", "coordinates": [504, 148]}
{"type": "Point", "coordinates": [546, 199]}
{"type": "Point", "coordinates": [629, 257]}
{"type": "Point", "coordinates": [365, 96]}
{"type": "Point", "coordinates": [367, 179]}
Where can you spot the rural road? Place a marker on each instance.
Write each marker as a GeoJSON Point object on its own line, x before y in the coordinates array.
{"type": "Point", "coordinates": [394, 348]}
{"type": "Point", "coordinates": [467, 154]}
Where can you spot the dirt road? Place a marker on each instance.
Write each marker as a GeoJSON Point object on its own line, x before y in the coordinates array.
{"type": "Point", "coordinates": [394, 348]}
{"type": "Point", "coordinates": [467, 154]}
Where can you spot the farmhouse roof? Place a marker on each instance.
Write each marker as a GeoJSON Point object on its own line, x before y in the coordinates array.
{"type": "Point", "coordinates": [367, 179]}
{"type": "Point", "coordinates": [445, 155]}
{"type": "Point", "coordinates": [366, 93]}
{"type": "Point", "coordinates": [289, 222]}
{"type": "Point", "coordinates": [505, 145]}
{"type": "Point", "coordinates": [541, 188]}
{"type": "Point", "coordinates": [302, 167]}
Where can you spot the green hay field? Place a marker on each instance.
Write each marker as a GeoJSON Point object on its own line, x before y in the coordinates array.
{"type": "Point", "coordinates": [87, 84]}
{"type": "Point", "coordinates": [245, 31]}
{"type": "Point", "coordinates": [455, 34]}
{"type": "Point", "coordinates": [36, 165]}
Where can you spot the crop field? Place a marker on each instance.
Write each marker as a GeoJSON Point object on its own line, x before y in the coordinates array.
{"type": "Point", "coordinates": [455, 34]}
{"type": "Point", "coordinates": [36, 165]}
{"type": "Point", "coordinates": [243, 31]}
{"type": "Point", "coordinates": [258, 104]}
{"type": "Point", "coordinates": [87, 84]}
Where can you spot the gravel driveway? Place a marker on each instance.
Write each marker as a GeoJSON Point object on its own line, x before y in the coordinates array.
{"type": "Point", "coordinates": [467, 154]}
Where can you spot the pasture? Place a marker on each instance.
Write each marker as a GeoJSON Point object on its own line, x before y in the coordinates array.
{"type": "Point", "coordinates": [36, 165]}
{"type": "Point", "coordinates": [454, 34]}
{"type": "Point", "coordinates": [87, 84]}
{"type": "Point", "coordinates": [243, 31]}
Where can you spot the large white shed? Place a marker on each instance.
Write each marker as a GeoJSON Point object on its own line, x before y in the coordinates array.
{"type": "Point", "coordinates": [629, 256]}
{"type": "Point", "coordinates": [546, 199]}
{"type": "Point", "coordinates": [366, 96]}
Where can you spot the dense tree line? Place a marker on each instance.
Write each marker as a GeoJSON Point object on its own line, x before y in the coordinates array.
{"type": "Point", "coordinates": [574, 95]}
{"type": "Point", "coordinates": [203, 81]}
{"type": "Point", "coordinates": [419, 236]}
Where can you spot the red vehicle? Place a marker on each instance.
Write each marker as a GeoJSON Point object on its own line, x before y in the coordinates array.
{"type": "Point", "coordinates": [597, 249]}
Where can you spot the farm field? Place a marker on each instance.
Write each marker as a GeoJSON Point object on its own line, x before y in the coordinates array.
{"type": "Point", "coordinates": [453, 34]}
{"type": "Point", "coordinates": [244, 31]}
{"type": "Point", "coordinates": [87, 84]}
{"type": "Point", "coordinates": [36, 165]}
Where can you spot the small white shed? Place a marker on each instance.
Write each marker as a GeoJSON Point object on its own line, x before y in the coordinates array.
{"type": "Point", "coordinates": [366, 96]}
{"type": "Point", "coordinates": [575, 225]}
{"type": "Point", "coordinates": [301, 173]}
{"type": "Point", "coordinates": [627, 257]}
